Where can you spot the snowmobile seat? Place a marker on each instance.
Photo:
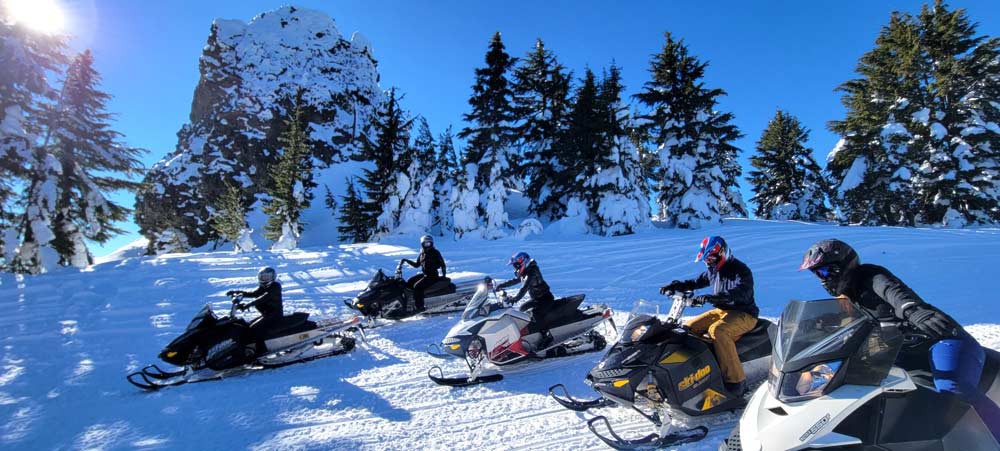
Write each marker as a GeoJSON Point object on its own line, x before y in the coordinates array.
{"type": "Point", "coordinates": [440, 288]}
{"type": "Point", "coordinates": [565, 310]}
{"type": "Point", "coordinates": [756, 343]}
{"type": "Point", "coordinates": [289, 324]}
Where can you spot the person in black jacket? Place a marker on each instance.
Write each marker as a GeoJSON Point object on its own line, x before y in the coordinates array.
{"type": "Point", "coordinates": [542, 301]}
{"type": "Point", "coordinates": [956, 357]}
{"type": "Point", "coordinates": [267, 301]}
{"type": "Point", "coordinates": [735, 311]}
{"type": "Point", "coordinates": [429, 261]}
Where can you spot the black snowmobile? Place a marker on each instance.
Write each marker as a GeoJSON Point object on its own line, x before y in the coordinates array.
{"type": "Point", "coordinates": [837, 383]}
{"type": "Point", "coordinates": [660, 369]}
{"type": "Point", "coordinates": [214, 347]}
{"type": "Point", "coordinates": [390, 297]}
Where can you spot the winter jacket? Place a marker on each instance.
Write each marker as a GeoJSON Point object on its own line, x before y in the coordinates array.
{"type": "Point", "coordinates": [732, 285]}
{"type": "Point", "coordinates": [882, 294]}
{"type": "Point", "coordinates": [531, 283]}
{"type": "Point", "coordinates": [267, 299]}
{"type": "Point", "coordinates": [429, 261]}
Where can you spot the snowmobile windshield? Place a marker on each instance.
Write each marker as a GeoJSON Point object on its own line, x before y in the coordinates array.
{"type": "Point", "coordinates": [480, 305]}
{"type": "Point", "coordinates": [834, 329]}
{"type": "Point", "coordinates": [206, 312]}
{"type": "Point", "coordinates": [376, 278]}
{"type": "Point", "coordinates": [643, 307]}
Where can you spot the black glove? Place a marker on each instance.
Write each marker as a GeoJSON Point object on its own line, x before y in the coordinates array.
{"type": "Point", "coordinates": [699, 301]}
{"type": "Point", "coordinates": [233, 292]}
{"type": "Point", "coordinates": [670, 287]}
{"type": "Point", "coordinates": [931, 322]}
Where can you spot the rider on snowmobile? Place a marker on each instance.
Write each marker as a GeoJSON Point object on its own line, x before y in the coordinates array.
{"type": "Point", "coordinates": [735, 311]}
{"type": "Point", "coordinates": [429, 261]}
{"type": "Point", "coordinates": [956, 357]}
{"type": "Point", "coordinates": [542, 301]}
{"type": "Point", "coordinates": [267, 301]}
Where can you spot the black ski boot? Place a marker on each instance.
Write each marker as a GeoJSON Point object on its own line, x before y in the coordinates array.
{"type": "Point", "coordinates": [546, 339]}
{"type": "Point", "coordinates": [738, 389]}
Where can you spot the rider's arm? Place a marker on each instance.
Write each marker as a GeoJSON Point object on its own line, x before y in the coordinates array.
{"type": "Point", "coordinates": [701, 281]}
{"type": "Point", "coordinates": [440, 259]}
{"type": "Point", "coordinates": [896, 293]}
{"type": "Point", "coordinates": [409, 262]}
{"type": "Point", "coordinates": [509, 283]}
{"type": "Point", "coordinates": [257, 292]}
{"type": "Point", "coordinates": [528, 281]}
{"type": "Point", "coordinates": [263, 294]}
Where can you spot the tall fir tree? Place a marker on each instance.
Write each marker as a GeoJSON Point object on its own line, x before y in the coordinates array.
{"type": "Point", "coordinates": [80, 163]}
{"type": "Point", "coordinates": [447, 174]}
{"type": "Point", "coordinates": [385, 184]}
{"type": "Point", "coordinates": [416, 212]}
{"type": "Point", "coordinates": [27, 58]}
{"type": "Point", "coordinates": [787, 183]}
{"type": "Point", "coordinates": [291, 185]}
{"type": "Point", "coordinates": [583, 142]}
{"type": "Point", "coordinates": [617, 191]}
{"type": "Point", "coordinates": [696, 175]}
{"type": "Point", "coordinates": [917, 147]}
{"type": "Point", "coordinates": [355, 220]}
{"type": "Point", "coordinates": [490, 137]}
{"type": "Point", "coordinates": [541, 87]}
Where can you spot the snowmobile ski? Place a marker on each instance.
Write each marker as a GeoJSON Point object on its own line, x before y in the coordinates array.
{"type": "Point", "coordinates": [464, 381]}
{"type": "Point", "coordinates": [651, 441]}
{"type": "Point", "coordinates": [577, 405]}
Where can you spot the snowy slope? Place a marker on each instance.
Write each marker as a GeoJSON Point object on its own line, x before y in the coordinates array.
{"type": "Point", "coordinates": [70, 337]}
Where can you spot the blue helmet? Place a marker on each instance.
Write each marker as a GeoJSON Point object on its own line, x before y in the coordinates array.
{"type": "Point", "coordinates": [714, 252]}
{"type": "Point", "coordinates": [519, 261]}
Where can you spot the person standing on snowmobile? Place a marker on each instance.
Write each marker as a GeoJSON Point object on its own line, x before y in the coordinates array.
{"type": "Point", "coordinates": [735, 311]}
{"type": "Point", "coordinates": [429, 261]}
{"type": "Point", "coordinates": [542, 301]}
{"type": "Point", "coordinates": [956, 357]}
{"type": "Point", "coordinates": [267, 301]}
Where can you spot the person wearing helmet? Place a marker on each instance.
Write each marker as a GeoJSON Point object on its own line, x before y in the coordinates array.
{"type": "Point", "coordinates": [735, 311]}
{"type": "Point", "coordinates": [526, 273]}
{"type": "Point", "coordinates": [429, 261]}
{"type": "Point", "coordinates": [267, 301]}
{"type": "Point", "coordinates": [956, 357]}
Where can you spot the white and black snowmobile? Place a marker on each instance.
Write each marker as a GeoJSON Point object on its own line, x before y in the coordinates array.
{"type": "Point", "coordinates": [214, 347]}
{"type": "Point", "coordinates": [390, 297]}
{"type": "Point", "coordinates": [663, 371]}
{"type": "Point", "coordinates": [492, 331]}
{"type": "Point", "coordinates": [836, 383]}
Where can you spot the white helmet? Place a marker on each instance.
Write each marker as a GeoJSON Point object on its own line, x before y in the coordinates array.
{"type": "Point", "coordinates": [426, 241]}
{"type": "Point", "coordinates": [266, 276]}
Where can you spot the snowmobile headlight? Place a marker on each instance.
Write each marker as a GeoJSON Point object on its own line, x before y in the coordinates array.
{"type": "Point", "coordinates": [455, 347]}
{"type": "Point", "coordinates": [808, 384]}
{"type": "Point", "coordinates": [638, 333]}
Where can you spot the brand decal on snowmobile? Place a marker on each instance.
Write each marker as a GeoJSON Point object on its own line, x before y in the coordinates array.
{"type": "Point", "coordinates": [694, 378]}
{"type": "Point", "coordinates": [816, 427]}
{"type": "Point", "coordinates": [222, 346]}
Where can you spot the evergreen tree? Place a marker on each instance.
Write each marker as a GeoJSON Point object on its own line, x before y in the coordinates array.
{"type": "Point", "coordinates": [329, 200]}
{"type": "Point", "coordinates": [447, 173]}
{"type": "Point", "coordinates": [385, 184]}
{"type": "Point", "coordinates": [291, 186]}
{"type": "Point", "coordinates": [229, 220]}
{"type": "Point", "coordinates": [26, 56]}
{"type": "Point", "coordinates": [37, 253]}
{"type": "Point", "coordinates": [617, 196]}
{"type": "Point", "coordinates": [696, 174]}
{"type": "Point", "coordinates": [355, 220]}
{"type": "Point", "coordinates": [416, 213]}
{"type": "Point", "coordinates": [94, 164]}
{"type": "Point", "coordinates": [541, 89]}
{"type": "Point", "coordinates": [584, 141]}
{"type": "Point", "coordinates": [490, 137]}
{"type": "Point", "coordinates": [787, 182]}
{"type": "Point", "coordinates": [917, 146]}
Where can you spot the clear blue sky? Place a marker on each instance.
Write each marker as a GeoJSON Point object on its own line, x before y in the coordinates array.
{"type": "Point", "coordinates": [765, 54]}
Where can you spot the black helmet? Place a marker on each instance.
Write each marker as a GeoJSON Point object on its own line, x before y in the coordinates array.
{"type": "Point", "coordinates": [266, 276]}
{"type": "Point", "coordinates": [426, 241]}
{"type": "Point", "coordinates": [831, 261]}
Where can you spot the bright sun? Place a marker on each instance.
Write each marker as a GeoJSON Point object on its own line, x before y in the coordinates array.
{"type": "Point", "coordinates": [42, 15]}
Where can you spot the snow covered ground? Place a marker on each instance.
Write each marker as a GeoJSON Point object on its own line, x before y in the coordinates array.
{"type": "Point", "coordinates": [69, 338]}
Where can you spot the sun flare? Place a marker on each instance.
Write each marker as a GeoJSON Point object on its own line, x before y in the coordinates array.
{"type": "Point", "coordinates": [45, 16]}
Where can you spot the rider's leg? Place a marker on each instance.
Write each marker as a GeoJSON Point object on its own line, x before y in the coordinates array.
{"type": "Point", "coordinates": [957, 365]}
{"type": "Point", "coordinates": [730, 327]}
